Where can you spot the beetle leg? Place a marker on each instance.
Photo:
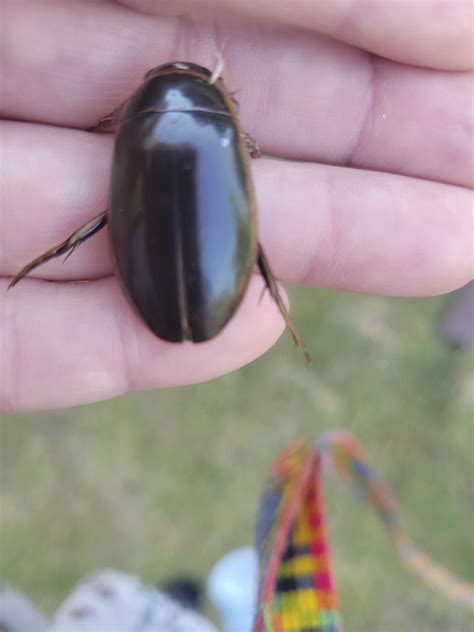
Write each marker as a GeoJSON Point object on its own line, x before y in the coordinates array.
{"type": "Point", "coordinates": [251, 144]}
{"type": "Point", "coordinates": [68, 245]}
{"type": "Point", "coordinates": [272, 286]}
{"type": "Point", "coordinates": [102, 124]}
{"type": "Point", "coordinates": [234, 100]}
{"type": "Point", "coordinates": [107, 122]}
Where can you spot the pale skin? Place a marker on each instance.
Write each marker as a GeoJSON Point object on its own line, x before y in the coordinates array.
{"type": "Point", "coordinates": [375, 196]}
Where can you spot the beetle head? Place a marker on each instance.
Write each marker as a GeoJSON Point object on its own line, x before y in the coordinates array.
{"type": "Point", "coordinates": [180, 66]}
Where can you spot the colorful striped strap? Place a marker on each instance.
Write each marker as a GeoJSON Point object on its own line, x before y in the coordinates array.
{"type": "Point", "coordinates": [297, 592]}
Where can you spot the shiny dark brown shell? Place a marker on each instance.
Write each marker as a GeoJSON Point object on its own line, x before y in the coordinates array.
{"type": "Point", "coordinates": [181, 209]}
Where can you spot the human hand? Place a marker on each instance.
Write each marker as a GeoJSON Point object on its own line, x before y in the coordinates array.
{"type": "Point", "coordinates": [375, 195]}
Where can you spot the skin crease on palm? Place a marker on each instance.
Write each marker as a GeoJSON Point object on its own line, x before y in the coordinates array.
{"type": "Point", "coordinates": [370, 103]}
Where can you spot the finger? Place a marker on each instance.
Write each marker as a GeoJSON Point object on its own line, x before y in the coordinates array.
{"type": "Point", "coordinates": [324, 102]}
{"type": "Point", "coordinates": [429, 33]}
{"type": "Point", "coordinates": [68, 344]}
{"type": "Point", "coordinates": [364, 231]}
{"type": "Point", "coordinates": [329, 226]}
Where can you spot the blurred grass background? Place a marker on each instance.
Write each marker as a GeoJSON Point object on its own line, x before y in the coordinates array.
{"type": "Point", "coordinates": [163, 483]}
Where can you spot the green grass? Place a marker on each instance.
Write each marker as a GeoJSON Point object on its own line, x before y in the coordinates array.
{"type": "Point", "coordinates": [165, 482]}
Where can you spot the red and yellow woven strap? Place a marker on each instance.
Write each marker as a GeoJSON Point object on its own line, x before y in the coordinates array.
{"type": "Point", "coordinates": [297, 592]}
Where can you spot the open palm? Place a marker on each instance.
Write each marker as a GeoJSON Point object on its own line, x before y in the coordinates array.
{"type": "Point", "coordinates": [370, 104]}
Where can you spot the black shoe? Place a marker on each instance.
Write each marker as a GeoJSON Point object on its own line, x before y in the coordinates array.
{"type": "Point", "coordinates": [185, 590]}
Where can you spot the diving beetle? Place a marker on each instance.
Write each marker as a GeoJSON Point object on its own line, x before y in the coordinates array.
{"type": "Point", "coordinates": [181, 213]}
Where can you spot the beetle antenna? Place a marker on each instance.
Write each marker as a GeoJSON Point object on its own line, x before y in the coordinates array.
{"type": "Point", "coordinates": [217, 72]}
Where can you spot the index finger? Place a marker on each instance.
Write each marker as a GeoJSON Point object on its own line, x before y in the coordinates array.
{"type": "Point", "coordinates": [433, 33]}
{"type": "Point", "coordinates": [303, 96]}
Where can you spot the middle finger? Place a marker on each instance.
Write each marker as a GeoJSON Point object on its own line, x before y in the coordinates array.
{"type": "Point", "coordinates": [330, 226]}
